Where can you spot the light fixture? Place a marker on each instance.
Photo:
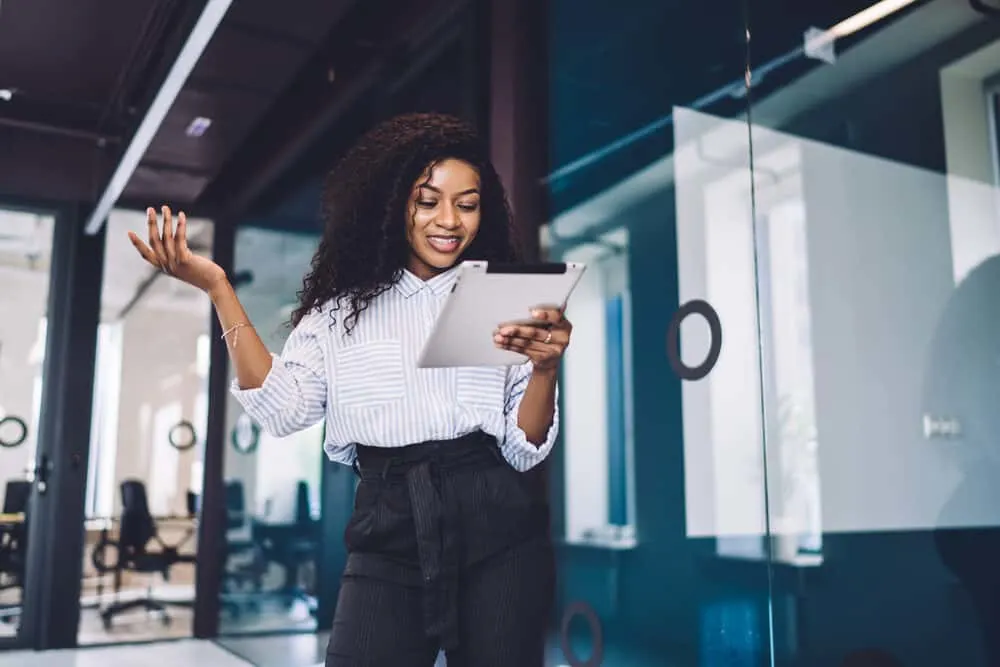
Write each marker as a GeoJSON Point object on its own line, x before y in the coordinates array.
{"type": "Point", "coordinates": [196, 42]}
{"type": "Point", "coordinates": [6, 94]}
{"type": "Point", "coordinates": [819, 43]}
{"type": "Point", "coordinates": [866, 17]}
{"type": "Point", "coordinates": [198, 126]}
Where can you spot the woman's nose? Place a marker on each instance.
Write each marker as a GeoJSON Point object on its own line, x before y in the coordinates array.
{"type": "Point", "coordinates": [448, 218]}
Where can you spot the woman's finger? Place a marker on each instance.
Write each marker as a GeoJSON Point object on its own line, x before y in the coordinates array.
{"type": "Point", "coordinates": [522, 343]}
{"type": "Point", "coordinates": [169, 248]}
{"type": "Point", "coordinates": [548, 314]}
{"type": "Point", "coordinates": [144, 250]}
{"type": "Point", "coordinates": [155, 243]}
{"type": "Point", "coordinates": [541, 334]}
{"type": "Point", "coordinates": [181, 236]}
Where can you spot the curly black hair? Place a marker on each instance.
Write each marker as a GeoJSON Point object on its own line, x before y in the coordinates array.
{"type": "Point", "coordinates": [364, 248]}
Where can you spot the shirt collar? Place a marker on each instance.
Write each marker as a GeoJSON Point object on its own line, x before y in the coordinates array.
{"type": "Point", "coordinates": [409, 284]}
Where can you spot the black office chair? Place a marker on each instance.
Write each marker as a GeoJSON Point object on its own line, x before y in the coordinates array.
{"type": "Point", "coordinates": [136, 532]}
{"type": "Point", "coordinates": [293, 548]}
{"type": "Point", "coordinates": [245, 564]}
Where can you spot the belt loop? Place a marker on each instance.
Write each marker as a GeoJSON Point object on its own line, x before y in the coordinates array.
{"type": "Point", "coordinates": [356, 467]}
{"type": "Point", "coordinates": [385, 470]}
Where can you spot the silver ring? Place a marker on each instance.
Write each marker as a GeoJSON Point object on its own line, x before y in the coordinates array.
{"type": "Point", "coordinates": [548, 339]}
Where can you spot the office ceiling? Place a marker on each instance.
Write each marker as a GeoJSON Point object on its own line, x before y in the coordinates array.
{"type": "Point", "coordinates": [82, 73]}
{"type": "Point", "coordinates": [278, 77]}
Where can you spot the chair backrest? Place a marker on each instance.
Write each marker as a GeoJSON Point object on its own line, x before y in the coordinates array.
{"type": "Point", "coordinates": [193, 503]}
{"type": "Point", "coordinates": [303, 506]}
{"type": "Point", "coordinates": [137, 524]}
{"type": "Point", "coordinates": [16, 496]}
{"type": "Point", "coordinates": [236, 509]}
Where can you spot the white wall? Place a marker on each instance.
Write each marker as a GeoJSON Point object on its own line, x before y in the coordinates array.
{"type": "Point", "coordinates": [968, 134]}
{"type": "Point", "coordinates": [159, 377]}
{"type": "Point", "coordinates": [25, 254]}
{"type": "Point", "coordinates": [584, 402]}
{"type": "Point", "coordinates": [24, 293]}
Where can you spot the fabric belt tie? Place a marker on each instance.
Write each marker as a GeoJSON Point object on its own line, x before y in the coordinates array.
{"type": "Point", "coordinates": [425, 468]}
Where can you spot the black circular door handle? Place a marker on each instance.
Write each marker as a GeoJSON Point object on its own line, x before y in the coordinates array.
{"type": "Point", "coordinates": [182, 436]}
{"type": "Point", "coordinates": [20, 428]}
{"type": "Point", "coordinates": [596, 632]}
{"type": "Point", "coordinates": [694, 307]}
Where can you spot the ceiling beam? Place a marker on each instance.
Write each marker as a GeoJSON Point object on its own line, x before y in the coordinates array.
{"type": "Point", "coordinates": [60, 130]}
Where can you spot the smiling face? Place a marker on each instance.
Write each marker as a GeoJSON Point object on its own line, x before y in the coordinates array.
{"type": "Point", "coordinates": [444, 214]}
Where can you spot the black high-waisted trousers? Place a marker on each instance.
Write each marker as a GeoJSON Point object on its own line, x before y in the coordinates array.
{"type": "Point", "coordinates": [448, 547]}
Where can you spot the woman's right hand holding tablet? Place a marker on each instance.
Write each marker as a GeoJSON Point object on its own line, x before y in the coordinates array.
{"type": "Point", "coordinates": [168, 251]}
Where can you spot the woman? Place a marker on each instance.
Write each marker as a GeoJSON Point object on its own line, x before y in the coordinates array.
{"type": "Point", "coordinates": [448, 544]}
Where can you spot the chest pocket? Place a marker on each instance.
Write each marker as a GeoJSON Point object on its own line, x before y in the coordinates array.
{"type": "Point", "coordinates": [368, 374]}
{"type": "Point", "coordinates": [482, 388]}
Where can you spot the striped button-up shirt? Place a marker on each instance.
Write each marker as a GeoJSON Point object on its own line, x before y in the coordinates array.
{"type": "Point", "coordinates": [370, 391]}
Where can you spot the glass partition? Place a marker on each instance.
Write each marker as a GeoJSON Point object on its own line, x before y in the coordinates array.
{"type": "Point", "coordinates": [658, 483]}
{"type": "Point", "coordinates": [272, 484]}
{"type": "Point", "coordinates": [877, 235]}
{"type": "Point", "coordinates": [146, 445]}
{"type": "Point", "coordinates": [25, 261]}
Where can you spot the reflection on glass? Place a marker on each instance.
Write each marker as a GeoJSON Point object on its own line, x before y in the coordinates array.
{"type": "Point", "coordinates": [597, 401]}
{"type": "Point", "coordinates": [651, 471]}
{"type": "Point", "coordinates": [877, 235]}
{"type": "Point", "coordinates": [144, 472]}
{"type": "Point", "coordinates": [25, 255]}
{"type": "Point", "coordinates": [763, 281]}
{"type": "Point", "coordinates": [272, 484]}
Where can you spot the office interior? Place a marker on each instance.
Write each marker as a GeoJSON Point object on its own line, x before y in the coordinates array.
{"type": "Point", "coordinates": [779, 439]}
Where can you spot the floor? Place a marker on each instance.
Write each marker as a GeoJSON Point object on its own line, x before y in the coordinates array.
{"type": "Point", "coordinates": [181, 653]}
{"type": "Point", "coordinates": [267, 614]}
{"type": "Point", "coordinates": [307, 650]}
{"type": "Point", "coordinates": [285, 651]}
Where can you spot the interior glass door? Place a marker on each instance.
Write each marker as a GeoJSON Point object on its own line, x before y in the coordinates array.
{"type": "Point", "coordinates": [658, 483]}
{"type": "Point", "coordinates": [878, 254]}
{"type": "Point", "coordinates": [26, 239]}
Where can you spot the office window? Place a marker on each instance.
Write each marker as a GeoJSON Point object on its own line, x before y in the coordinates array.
{"type": "Point", "coordinates": [597, 397]}
{"type": "Point", "coordinates": [104, 423]}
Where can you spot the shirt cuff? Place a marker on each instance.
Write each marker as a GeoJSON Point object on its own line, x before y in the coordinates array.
{"type": "Point", "coordinates": [520, 452]}
{"type": "Point", "coordinates": [264, 401]}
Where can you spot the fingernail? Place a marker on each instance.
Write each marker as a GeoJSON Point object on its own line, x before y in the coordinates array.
{"type": "Point", "coordinates": [498, 338]}
{"type": "Point", "coordinates": [537, 313]}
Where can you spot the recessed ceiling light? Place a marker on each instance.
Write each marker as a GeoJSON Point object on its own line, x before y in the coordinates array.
{"type": "Point", "coordinates": [198, 126]}
{"type": "Point", "coordinates": [6, 94]}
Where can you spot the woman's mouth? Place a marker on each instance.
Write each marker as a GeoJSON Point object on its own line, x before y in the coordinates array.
{"type": "Point", "coordinates": [444, 244]}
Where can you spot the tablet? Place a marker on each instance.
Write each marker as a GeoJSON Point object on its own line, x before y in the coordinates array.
{"type": "Point", "coordinates": [486, 295]}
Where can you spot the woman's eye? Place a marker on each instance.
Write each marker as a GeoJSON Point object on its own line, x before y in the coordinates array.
{"type": "Point", "coordinates": [426, 203]}
{"type": "Point", "coordinates": [469, 208]}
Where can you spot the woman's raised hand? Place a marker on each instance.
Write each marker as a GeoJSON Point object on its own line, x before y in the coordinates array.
{"type": "Point", "coordinates": [168, 251]}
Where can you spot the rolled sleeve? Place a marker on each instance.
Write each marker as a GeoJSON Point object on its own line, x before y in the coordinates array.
{"type": "Point", "coordinates": [293, 396]}
{"type": "Point", "coordinates": [520, 452]}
